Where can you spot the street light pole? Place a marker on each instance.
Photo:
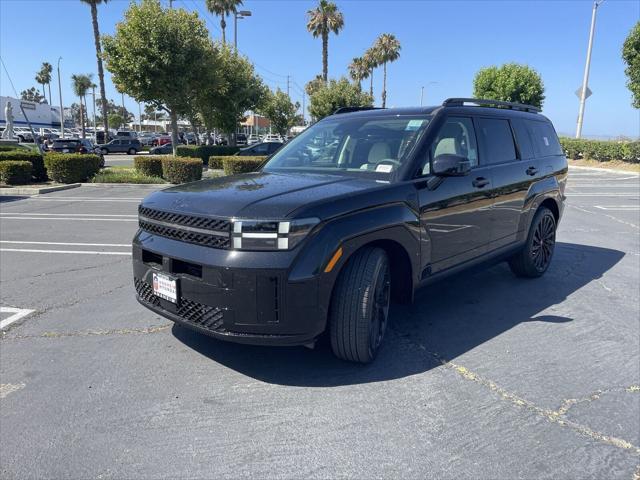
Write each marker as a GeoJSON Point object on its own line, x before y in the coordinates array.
{"type": "Point", "coordinates": [587, 66]}
{"type": "Point", "coordinates": [60, 94]}
{"type": "Point", "coordinates": [95, 127]}
{"type": "Point", "coordinates": [238, 15]}
{"type": "Point", "coordinates": [421, 95]}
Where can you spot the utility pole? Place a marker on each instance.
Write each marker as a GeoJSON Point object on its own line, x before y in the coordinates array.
{"type": "Point", "coordinates": [238, 16]}
{"type": "Point", "coordinates": [584, 91]}
{"type": "Point", "coordinates": [95, 127]}
{"type": "Point", "coordinates": [288, 86]}
{"type": "Point", "coordinates": [139, 118]}
{"type": "Point", "coordinates": [61, 106]}
{"type": "Point", "coordinates": [304, 108]}
{"type": "Point", "coordinates": [421, 95]}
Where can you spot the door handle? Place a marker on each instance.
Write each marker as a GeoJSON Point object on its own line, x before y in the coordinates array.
{"type": "Point", "coordinates": [531, 171]}
{"type": "Point", "coordinates": [480, 182]}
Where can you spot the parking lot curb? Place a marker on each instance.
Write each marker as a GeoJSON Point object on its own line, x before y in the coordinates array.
{"type": "Point", "coordinates": [596, 169]}
{"type": "Point", "coordinates": [13, 191]}
{"type": "Point", "coordinates": [125, 184]}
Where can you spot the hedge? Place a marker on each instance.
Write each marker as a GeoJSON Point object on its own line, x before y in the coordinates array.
{"type": "Point", "coordinates": [71, 167]}
{"type": "Point", "coordinates": [600, 150]}
{"type": "Point", "coordinates": [235, 164]}
{"type": "Point", "coordinates": [15, 172]}
{"type": "Point", "coordinates": [204, 152]}
{"type": "Point", "coordinates": [38, 171]}
{"type": "Point", "coordinates": [148, 165]}
{"type": "Point", "coordinates": [181, 170]}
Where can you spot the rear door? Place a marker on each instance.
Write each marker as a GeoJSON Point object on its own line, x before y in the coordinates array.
{"type": "Point", "coordinates": [456, 213]}
{"type": "Point", "coordinates": [506, 146]}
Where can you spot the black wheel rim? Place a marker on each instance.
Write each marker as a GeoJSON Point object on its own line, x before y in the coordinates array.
{"type": "Point", "coordinates": [380, 314]}
{"type": "Point", "coordinates": [544, 239]}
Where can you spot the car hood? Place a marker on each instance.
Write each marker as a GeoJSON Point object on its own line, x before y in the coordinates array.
{"type": "Point", "coordinates": [255, 195]}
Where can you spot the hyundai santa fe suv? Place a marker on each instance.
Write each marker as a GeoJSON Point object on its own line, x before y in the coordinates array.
{"type": "Point", "coordinates": [358, 211]}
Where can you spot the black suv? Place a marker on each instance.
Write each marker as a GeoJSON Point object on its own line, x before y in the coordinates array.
{"type": "Point", "coordinates": [357, 211]}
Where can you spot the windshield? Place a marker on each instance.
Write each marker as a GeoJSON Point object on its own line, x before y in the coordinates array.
{"type": "Point", "coordinates": [375, 146]}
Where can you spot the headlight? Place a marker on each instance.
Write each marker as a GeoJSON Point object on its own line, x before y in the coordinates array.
{"type": "Point", "coordinates": [271, 235]}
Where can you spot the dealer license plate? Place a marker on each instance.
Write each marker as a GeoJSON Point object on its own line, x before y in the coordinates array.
{"type": "Point", "coordinates": [165, 287]}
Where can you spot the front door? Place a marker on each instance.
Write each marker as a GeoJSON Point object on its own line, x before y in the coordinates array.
{"type": "Point", "coordinates": [455, 212]}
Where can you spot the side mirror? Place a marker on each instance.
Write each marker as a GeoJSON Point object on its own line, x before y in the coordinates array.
{"type": "Point", "coordinates": [449, 165]}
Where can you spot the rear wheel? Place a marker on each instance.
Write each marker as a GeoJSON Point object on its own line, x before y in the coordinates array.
{"type": "Point", "coordinates": [359, 311]}
{"type": "Point", "coordinates": [132, 151]}
{"type": "Point", "coordinates": [105, 151]}
{"type": "Point", "coordinates": [534, 259]}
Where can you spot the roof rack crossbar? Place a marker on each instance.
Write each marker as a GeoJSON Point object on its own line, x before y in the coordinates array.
{"type": "Point", "coordinates": [481, 102]}
{"type": "Point", "coordinates": [354, 109]}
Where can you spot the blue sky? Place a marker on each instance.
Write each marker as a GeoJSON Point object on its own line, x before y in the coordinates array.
{"type": "Point", "coordinates": [444, 42]}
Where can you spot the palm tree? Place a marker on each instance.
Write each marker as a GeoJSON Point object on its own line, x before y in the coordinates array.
{"type": "Point", "coordinates": [325, 18]}
{"type": "Point", "coordinates": [222, 8]}
{"type": "Point", "coordinates": [370, 58]}
{"type": "Point", "coordinates": [358, 70]}
{"type": "Point", "coordinates": [43, 77]}
{"type": "Point", "coordinates": [96, 38]}
{"type": "Point", "coordinates": [387, 48]}
{"type": "Point", "coordinates": [81, 84]}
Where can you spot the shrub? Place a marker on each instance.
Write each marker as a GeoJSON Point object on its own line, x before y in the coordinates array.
{"type": "Point", "coordinates": [632, 153]}
{"type": "Point", "coordinates": [15, 172]}
{"type": "Point", "coordinates": [148, 165]}
{"type": "Point", "coordinates": [71, 167]}
{"type": "Point", "coordinates": [233, 165]}
{"type": "Point", "coordinates": [38, 171]}
{"type": "Point", "coordinates": [600, 150]}
{"type": "Point", "coordinates": [181, 170]}
{"type": "Point", "coordinates": [124, 175]}
{"type": "Point", "coordinates": [204, 152]}
{"type": "Point", "coordinates": [11, 148]}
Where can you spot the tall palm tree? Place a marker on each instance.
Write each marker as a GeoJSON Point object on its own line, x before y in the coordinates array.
{"type": "Point", "coordinates": [324, 19]}
{"type": "Point", "coordinates": [387, 48]}
{"type": "Point", "coordinates": [358, 70]}
{"type": "Point", "coordinates": [96, 38]}
{"type": "Point", "coordinates": [370, 58]}
{"type": "Point", "coordinates": [43, 77]}
{"type": "Point", "coordinates": [81, 85]}
{"type": "Point", "coordinates": [222, 8]}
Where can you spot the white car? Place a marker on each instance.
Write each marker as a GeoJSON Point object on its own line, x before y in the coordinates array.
{"type": "Point", "coordinates": [253, 138]}
{"type": "Point", "coordinates": [272, 138]}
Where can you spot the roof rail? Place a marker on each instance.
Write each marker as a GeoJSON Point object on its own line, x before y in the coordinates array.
{"type": "Point", "coordinates": [459, 102]}
{"type": "Point", "coordinates": [353, 109]}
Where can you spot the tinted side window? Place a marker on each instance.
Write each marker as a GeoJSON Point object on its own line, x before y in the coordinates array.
{"type": "Point", "coordinates": [523, 140]}
{"type": "Point", "coordinates": [261, 148]}
{"type": "Point", "coordinates": [545, 140]}
{"type": "Point", "coordinates": [457, 137]}
{"type": "Point", "coordinates": [497, 140]}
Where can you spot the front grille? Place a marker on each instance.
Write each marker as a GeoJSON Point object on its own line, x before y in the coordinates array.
{"type": "Point", "coordinates": [213, 241]}
{"type": "Point", "coordinates": [217, 224]}
{"type": "Point", "coordinates": [199, 314]}
{"type": "Point", "coordinates": [186, 228]}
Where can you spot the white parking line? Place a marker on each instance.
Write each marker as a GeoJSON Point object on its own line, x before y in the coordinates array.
{"type": "Point", "coordinates": [618, 207]}
{"type": "Point", "coordinates": [64, 214]}
{"type": "Point", "coordinates": [600, 185]}
{"type": "Point", "coordinates": [77, 252]}
{"type": "Point", "coordinates": [38, 197]}
{"type": "Point", "coordinates": [18, 313]}
{"type": "Point", "coordinates": [3, 217]}
{"type": "Point", "coordinates": [106, 200]}
{"type": "Point", "coordinates": [630, 195]}
{"type": "Point", "coordinates": [68, 244]}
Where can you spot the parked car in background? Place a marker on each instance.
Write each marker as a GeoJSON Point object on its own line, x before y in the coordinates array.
{"type": "Point", "coordinates": [146, 139]}
{"type": "Point", "coordinates": [24, 134]}
{"type": "Point", "coordinates": [119, 145]}
{"type": "Point", "coordinates": [241, 139]}
{"type": "Point", "coordinates": [190, 138]}
{"type": "Point", "coordinates": [165, 149]}
{"type": "Point", "coordinates": [161, 140]}
{"type": "Point", "coordinates": [253, 138]}
{"type": "Point", "coordinates": [272, 138]}
{"type": "Point", "coordinates": [260, 149]}
{"type": "Point", "coordinates": [124, 134]}
{"type": "Point", "coordinates": [66, 145]}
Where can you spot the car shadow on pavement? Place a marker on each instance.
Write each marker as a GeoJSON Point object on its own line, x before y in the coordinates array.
{"type": "Point", "coordinates": [12, 198]}
{"type": "Point", "coordinates": [446, 320]}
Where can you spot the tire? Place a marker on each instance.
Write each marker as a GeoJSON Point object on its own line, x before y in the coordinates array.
{"type": "Point", "coordinates": [132, 151]}
{"type": "Point", "coordinates": [534, 259]}
{"type": "Point", "coordinates": [105, 151]}
{"type": "Point", "coordinates": [358, 318]}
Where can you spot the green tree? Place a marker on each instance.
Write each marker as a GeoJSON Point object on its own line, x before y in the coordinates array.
{"type": "Point", "coordinates": [359, 70]}
{"type": "Point", "coordinates": [81, 85]}
{"type": "Point", "coordinates": [116, 120]}
{"type": "Point", "coordinates": [281, 111]}
{"type": "Point", "coordinates": [510, 82]}
{"type": "Point", "coordinates": [161, 56]}
{"type": "Point", "coordinates": [314, 85]}
{"type": "Point", "coordinates": [631, 56]}
{"type": "Point", "coordinates": [222, 103]}
{"type": "Point", "coordinates": [43, 77]}
{"type": "Point", "coordinates": [32, 95]}
{"type": "Point", "coordinates": [222, 8]}
{"type": "Point", "coordinates": [93, 4]}
{"type": "Point", "coordinates": [387, 49]}
{"type": "Point", "coordinates": [322, 20]}
{"type": "Point", "coordinates": [336, 94]}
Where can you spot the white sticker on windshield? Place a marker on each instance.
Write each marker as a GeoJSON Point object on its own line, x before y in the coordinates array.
{"type": "Point", "coordinates": [546, 141]}
{"type": "Point", "coordinates": [384, 168]}
{"type": "Point", "coordinates": [414, 124]}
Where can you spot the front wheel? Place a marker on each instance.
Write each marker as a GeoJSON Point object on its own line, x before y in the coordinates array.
{"type": "Point", "coordinates": [132, 151]}
{"type": "Point", "coordinates": [534, 259]}
{"type": "Point", "coordinates": [105, 151]}
{"type": "Point", "coordinates": [359, 311]}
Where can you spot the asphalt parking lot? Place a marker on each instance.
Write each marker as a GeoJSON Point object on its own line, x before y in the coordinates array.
{"type": "Point", "coordinates": [485, 376]}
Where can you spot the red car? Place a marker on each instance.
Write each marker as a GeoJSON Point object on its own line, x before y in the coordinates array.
{"type": "Point", "coordinates": [161, 140]}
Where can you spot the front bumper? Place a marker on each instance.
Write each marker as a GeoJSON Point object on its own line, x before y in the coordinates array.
{"type": "Point", "coordinates": [241, 298]}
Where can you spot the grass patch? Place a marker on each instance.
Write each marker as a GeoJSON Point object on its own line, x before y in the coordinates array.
{"type": "Point", "coordinates": [612, 164]}
{"type": "Point", "coordinates": [124, 175]}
